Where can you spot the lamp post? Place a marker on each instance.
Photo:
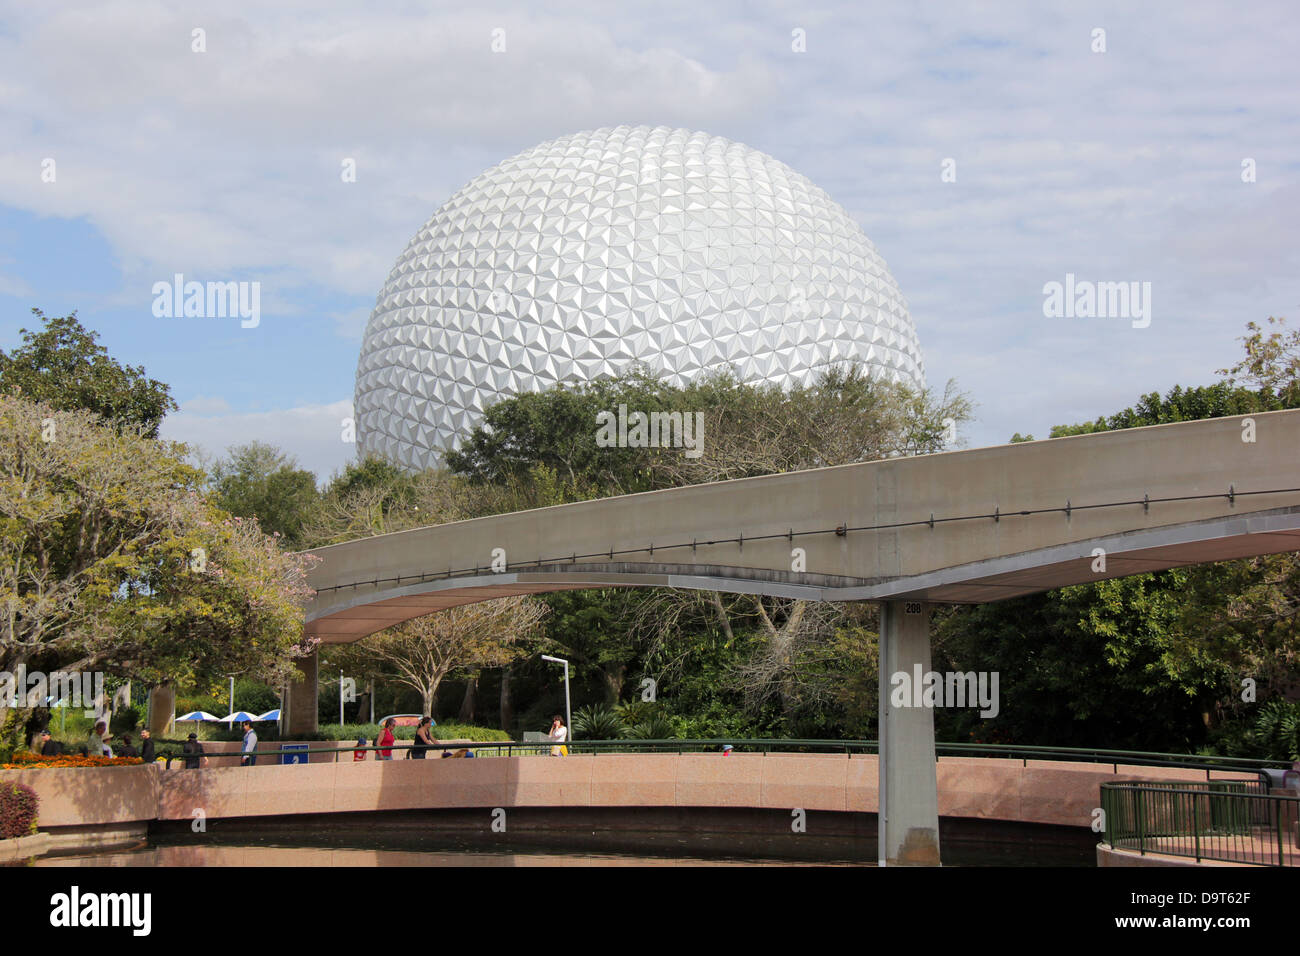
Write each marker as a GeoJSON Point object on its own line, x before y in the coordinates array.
{"type": "Point", "coordinates": [568, 716]}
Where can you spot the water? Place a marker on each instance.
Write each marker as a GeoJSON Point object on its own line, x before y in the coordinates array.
{"type": "Point", "coordinates": [707, 838]}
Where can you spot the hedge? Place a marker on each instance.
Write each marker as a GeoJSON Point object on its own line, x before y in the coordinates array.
{"type": "Point", "coordinates": [18, 807]}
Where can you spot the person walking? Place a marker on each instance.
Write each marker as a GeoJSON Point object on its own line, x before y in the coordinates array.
{"type": "Point", "coordinates": [193, 751]}
{"type": "Point", "coordinates": [249, 758]}
{"type": "Point", "coordinates": [558, 735]}
{"type": "Point", "coordinates": [424, 739]}
{"type": "Point", "coordinates": [146, 746]}
{"type": "Point", "coordinates": [125, 749]}
{"type": "Point", "coordinates": [49, 746]}
{"type": "Point", "coordinates": [97, 741]}
{"type": "Point", "coordinates": [386, 738]}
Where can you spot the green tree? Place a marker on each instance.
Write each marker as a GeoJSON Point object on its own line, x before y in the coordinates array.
{"type": "Point", "coordinates": [1153, 661]}
{"type": "Point", "coordinates": [542, 449]}
{"type": "Point", "coordinates": [63, 366]}
{"type": "Point", "coordinates": [1272, 361]}
{"type": "Point", "coordinates": [259, 481]}
{"type": "Point", "coordinates": [111, 559]}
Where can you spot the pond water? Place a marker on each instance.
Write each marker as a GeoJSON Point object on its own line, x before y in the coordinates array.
{"type": "Point", "coordinates": [397, 842]}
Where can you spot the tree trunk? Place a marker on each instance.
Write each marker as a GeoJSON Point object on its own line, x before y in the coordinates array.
{"type": "Point", "coordinates": [507, 705]}
{"type": "Point", "coordinates": [722, 617]}
{"type": "Point", "coordinates": [470, 701]}
{"type": "Point", "coordinates": [613, 683]}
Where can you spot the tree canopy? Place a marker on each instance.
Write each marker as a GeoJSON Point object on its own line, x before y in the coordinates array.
{"type": "Point", "coordinates": [259, 481]}
{"type": "Point", "coordinates": [65, 367]}
{"type": "Point", "coordinates": [112, 559]}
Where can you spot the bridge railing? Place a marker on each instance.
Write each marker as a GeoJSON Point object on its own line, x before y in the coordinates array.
{"type": "Point", "coordinates": [515, 748]}
{"type": "Point", "coordinates": [1230, 821]}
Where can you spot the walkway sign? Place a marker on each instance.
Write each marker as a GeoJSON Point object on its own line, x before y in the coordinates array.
{"type": "Point", "coordinates": [293, 753]}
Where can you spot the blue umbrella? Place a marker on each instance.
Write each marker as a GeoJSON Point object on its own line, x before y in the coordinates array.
{"type": "Point", "coordinates": [269, 715]}
{"type": "Point", "coordinates": [197, 715]}
{"type": "Point", "coordinates": [239, 716]}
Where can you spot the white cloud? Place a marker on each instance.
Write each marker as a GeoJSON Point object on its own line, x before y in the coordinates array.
{"type": "Point", "coordinates": [203, 405]}
{"type": "Point", "coordinates": [230, 159]}
{"type": "Point", "coordinates": [312, 434]}
{"type": "Point", "coordinates": [1123, 165]}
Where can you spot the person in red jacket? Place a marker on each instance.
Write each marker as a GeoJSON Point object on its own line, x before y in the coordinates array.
{"type": "Point", "coordinates": [386, 739]}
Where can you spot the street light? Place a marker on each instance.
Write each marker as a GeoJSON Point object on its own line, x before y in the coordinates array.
{"type": "Point", "coordinates": [568, 716]}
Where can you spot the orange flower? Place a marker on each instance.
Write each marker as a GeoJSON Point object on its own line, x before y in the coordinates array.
{"type": "Point", "coordinates": [26, 760]}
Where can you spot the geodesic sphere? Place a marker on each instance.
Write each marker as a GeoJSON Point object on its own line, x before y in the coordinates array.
{"type": "Point", "coordinates": [576, 258]}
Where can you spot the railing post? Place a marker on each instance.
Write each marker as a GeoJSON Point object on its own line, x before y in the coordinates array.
{"type": "Point", "coordinates": [1196, 826]}
{"type": "Point", "coordinates": [1137, 799]}
{"type": "Point", "coordinates": [1281, 841]}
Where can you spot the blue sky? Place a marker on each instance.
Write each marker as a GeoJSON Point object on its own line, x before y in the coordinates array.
{"type": "Point", "coordinates": [1123, 165]}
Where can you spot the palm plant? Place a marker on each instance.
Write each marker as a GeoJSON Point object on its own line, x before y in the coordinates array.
{"type": "Point", "coordinates": [597, 722]}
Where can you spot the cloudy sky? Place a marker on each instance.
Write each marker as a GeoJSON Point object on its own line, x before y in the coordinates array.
{"type": "Point", "coordinates": [1132, 164]}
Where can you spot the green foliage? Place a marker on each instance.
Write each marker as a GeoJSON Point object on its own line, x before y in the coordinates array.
{"type": "Point", "coordinates": [655, 727]}
{"type": "Point", "coordinates": [62, 365]}
{"type": "Point", "coordinates": [556, 429]}
{"type": "Point", "coordinates": [125, 720]}
{"type": "Point", "coordinates": [1277, 730]}
{"type": "Point", "coordinates": [844, 415]}
{"type": "Point", "coordinates": [1080, 667]}
{"type": "Point", "coordinates": [597, 722]}
{"type": "Point", "coordinates": [1186, 404]}
{"type": "Point", "coordinates": [450, 731]}
{"type": "Point", "coordinates": [111, 559]}
{"type": "Point", "coordinates": [259, 481]}
{"type": "Point", "coordinates": [1152, 661]}
{"type": "Point", "coordinates": [1272, 361]}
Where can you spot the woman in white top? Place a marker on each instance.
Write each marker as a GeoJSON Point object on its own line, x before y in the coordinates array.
{"type": "Point", "coordinates": [97, 741]}
{"type": "Point", "coordinates": [558, 735]}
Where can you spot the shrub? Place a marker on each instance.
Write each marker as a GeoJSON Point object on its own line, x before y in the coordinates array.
{"type": "Point", "coordinates": [598, 722]}
{"type": "Point", "coordinates": [1277, 730]}
{"type": "Point", "coordinates": [656, 727]}
{"type": "Point", "coordinates": [350, 732]}
{"type": "Point", "coordinates": [18, 807]}
{"type": "Point", "coordinates": [126, 719]}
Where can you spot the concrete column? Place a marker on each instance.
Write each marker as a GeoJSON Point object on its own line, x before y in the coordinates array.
{"type": "Point", "coordinates": [909, 789]}
{"type": "Point", "coordinates": [300, 705]}
{"type": "Point", "coordinates": [162, 709]}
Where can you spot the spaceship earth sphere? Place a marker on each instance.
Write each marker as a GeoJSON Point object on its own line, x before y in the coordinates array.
{"type": "Point", "coordinates": [574, 259]}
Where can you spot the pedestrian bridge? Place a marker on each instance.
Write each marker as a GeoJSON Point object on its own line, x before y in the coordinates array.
{"type": "Point", "coordinates": [958, 527]}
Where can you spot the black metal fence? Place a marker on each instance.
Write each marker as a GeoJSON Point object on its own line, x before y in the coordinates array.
{"type": "Point", "coordinates": [1230, 821]}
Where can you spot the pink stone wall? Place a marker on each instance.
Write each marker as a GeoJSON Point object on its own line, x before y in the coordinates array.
{"type": "Point", "coordinates": [972, 787]}
{"type": "Point", "coordinates": [71, 797]}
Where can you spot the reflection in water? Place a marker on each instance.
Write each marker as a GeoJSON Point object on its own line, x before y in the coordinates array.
{"type": "Point", "coordinates": [575, 837]}
{"type": "Point", "coordinates": [318, 856]}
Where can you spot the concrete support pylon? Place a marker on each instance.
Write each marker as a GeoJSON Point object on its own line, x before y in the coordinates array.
{"type": "Point", "coordinates": [300, 698]}
{"type": "Point", "coordinates": [162, 709]}
{"type": "Point", "coordinates": [908, 783]}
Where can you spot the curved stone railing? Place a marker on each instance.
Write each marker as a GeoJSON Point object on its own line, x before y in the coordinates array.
{"type": "Point", "coordinates": [1049, 792]}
